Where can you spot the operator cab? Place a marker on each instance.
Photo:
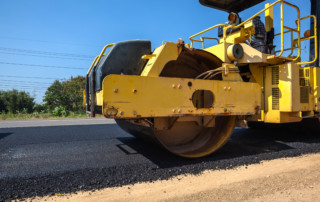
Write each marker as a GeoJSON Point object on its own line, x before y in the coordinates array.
{"type": "Point", "coordinates": [261, 40]}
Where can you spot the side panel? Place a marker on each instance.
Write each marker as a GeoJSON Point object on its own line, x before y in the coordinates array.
{"type": "Point", "coordinates": [289, 87]}
{"type": "Point", "coordinates": [316, 88]}
{"type": "Point", "coordinates": [282, 94]}
{"type": "Point", "coordinates": [136, 97]}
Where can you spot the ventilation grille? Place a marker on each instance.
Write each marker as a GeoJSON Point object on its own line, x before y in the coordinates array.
{"type": "Point", "coordinates": [304, 82]}
{"type": "Point", "coordinates": [304, 94]}
{"type": "Point", "coordinates": [304, 74]}
{"type": "Point", "coordinates": [275, 75]}
{"type": "Point", "coordinates": [307, 73]}
{"type": "Point", "coordinates": [301, 73]}
{"type": "Point", "coordinates": [275, 98]}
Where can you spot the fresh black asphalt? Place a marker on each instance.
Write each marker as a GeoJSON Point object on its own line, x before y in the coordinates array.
{"type": "Point", "coordinates": [38, 161]}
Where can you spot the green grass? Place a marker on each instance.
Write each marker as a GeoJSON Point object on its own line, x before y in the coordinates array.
{"type": "Point", "coordinates": [36, 115]}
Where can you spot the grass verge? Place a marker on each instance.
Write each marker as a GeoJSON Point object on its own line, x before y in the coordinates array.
{"type": "Point", "coordinates": [24, 116]}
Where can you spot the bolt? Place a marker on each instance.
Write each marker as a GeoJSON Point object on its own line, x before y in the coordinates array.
{"type": "Point", "coordinates": [224, 88]}
{"type": "Point", "coordinates": [229, 88]}
{"type": "Point", "coordinates": [229, 110]}
{"type": "Point", "coordinates": [173, 86]}
{"type": "Point", "coordinates": [179, 86]}
{"type": "Point", "coordinates": [179, 110]}
{"type": "Point", "coordinates": [134, 90]}
{"type": "Point", "coordinates": [115, 90]}
{"type": "Point", "coordinates": [134, 112]}
{"type": "Point", "coordinates": [174, 110]}
{"type": "Point", "coordinates": [225, 110]}
{"type": "Point", "coordinates": [121, 112]}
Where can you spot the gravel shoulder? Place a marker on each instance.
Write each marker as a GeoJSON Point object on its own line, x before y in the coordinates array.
{"type": "Point", "coordinates": [287, 179]}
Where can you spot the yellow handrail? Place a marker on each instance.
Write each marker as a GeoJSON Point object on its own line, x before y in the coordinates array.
{"type": "Point", "coordinates": [203, 38]}
{"type": "Point", "coordinates": [92, 65]}
{"type": "Point", "coordinates": [315, 40]}
{"type": "Point", "coordinates": [210, 28]}
{"type": "Point", "coordinates": [282, 25]}
{"type": "Point", "coordinates": [98, 58]}
{"type": "Point", "coordinates": [282, 32]}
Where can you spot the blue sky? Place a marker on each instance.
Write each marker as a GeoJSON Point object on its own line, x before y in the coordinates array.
{"type": "Point", "coordinates": [57, 39]}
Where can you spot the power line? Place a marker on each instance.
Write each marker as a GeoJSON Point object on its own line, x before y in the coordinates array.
{"type": "Point", "coordinates": [42, 56]}
{"type": "Point", "coordinates": [52, 42]}
{"type": "Point", "coordinates": [36, 65]}
{"type": "Point", "coordinates": [45, 52]}
{"type": "Point", "coordinates": [27, 89]}
{"type": "Point", "coordinates": [23, 81]}
{"type": "Point", "coordinates": [29, 77]}
{"type": "Point", "coordinates": [26, 85]}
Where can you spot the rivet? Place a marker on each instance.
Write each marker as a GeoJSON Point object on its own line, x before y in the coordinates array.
{"type": "Point", "coordinates": [224, 88]}
{"type": "Point", "coordinates": [173, 86]}
{"type": "Point", "coordinates": [229, 88]}
{"type": "Point", "coordinates": [115, 90]}
{"type": "Point", "coordinates": [174, 110]}
{"type": "Point", "coordinates": [225, 110]}
{"type": "Point", "coordinates": [121, 112]}
{"type": "Point", "coordinates": [179, 86]}
{"type": "Point", "coordinates": [134, 90]}
{"type": "Point", "coordinates": [134, 112]}
{"type": "Point", "coordinates": [229, 110]}
{"type": "Point", "coordinates": [179, 110]}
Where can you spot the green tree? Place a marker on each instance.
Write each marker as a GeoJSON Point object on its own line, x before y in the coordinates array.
{"type": "Point", "coordinates": [67, 94]}
{"type": "Point", "coordinates": [16, 101]}
{"type": "Point", "coordinates": [2, 105]}
{"type": "Point", "coordinates": [40, 108]}
{"type": "Point", "coordinates": [53, 96]}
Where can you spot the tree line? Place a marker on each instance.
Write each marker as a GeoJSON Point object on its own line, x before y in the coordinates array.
{"type": "Point", "coordinates": [61, 97]}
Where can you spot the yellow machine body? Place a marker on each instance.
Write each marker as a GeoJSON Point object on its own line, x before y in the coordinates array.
{"type": "Point", "coordinates": [143, 97]}
{"type": "Point", "coordinates": [275, 89]}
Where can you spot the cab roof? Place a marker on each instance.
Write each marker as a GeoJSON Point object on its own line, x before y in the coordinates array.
{"type": "Point", "coordinates": [230, 5]}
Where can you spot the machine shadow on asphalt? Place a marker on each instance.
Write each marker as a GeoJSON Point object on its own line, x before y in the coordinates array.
{"type": "Point", "coordinates": [244, 142]}
{"type": "Point", "coordinates": [3, 135]}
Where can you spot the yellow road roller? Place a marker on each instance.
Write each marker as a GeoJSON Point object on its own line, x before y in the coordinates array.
{"type": "Point", "coordinates": [189, 100]}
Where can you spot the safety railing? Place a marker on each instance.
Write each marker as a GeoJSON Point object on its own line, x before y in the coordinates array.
{"type": "Point", "coordinates": [295, 44]}
{"type": "Point", "coordinates": [98, 58]}
{"type": "Point", "coordinates": [283, 30]}
{"type": "Point", "coordinates": [282, 27]}
{"type": "Point", "coordinates": [202, 38]}
{"type": "Point", "coordinates": [90, 89]}
{"type": "Point", "coordinates": [310, 38]}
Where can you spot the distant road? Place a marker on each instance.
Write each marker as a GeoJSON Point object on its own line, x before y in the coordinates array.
{"type": "Point", "coordinates": [55, 122]}
{"type": "Point", "coordinates": [44, 157]}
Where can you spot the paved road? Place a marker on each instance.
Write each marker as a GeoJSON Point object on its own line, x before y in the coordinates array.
{"type": "Point", "coordinates": [55, 122]}
{"type": "Point", "coordinates": [46, 157]}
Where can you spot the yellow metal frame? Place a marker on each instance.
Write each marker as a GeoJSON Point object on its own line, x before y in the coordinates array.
{"type": "Point", "coordinates": [269, 9]}
{"type": "Point", "coordinates": [160, 57]}
{"type": "Point", "coordinates": [204, 31]}
{"type": "Point", "coordinates": [281, 2]}
{"type": "Point", "coordinates": [137, 97]}
{"type": "Point", "coordinates": [312, 37]}
{"type": "Point", "coordinates": [98, 58]}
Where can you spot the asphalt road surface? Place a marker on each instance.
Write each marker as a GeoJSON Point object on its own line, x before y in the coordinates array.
{"type": "Point", "coordinates": [40, 158]}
